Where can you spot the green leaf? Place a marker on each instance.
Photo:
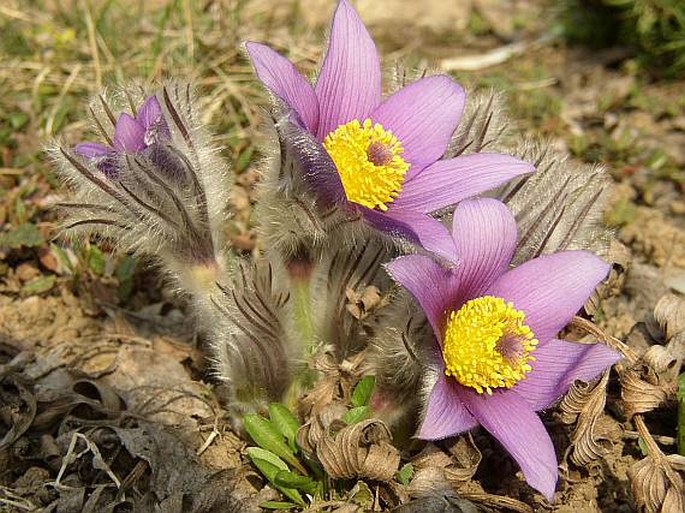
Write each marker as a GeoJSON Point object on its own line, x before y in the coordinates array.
{"type": "Point", "coordinates": [681, 414]}
{"type": "Point", "coordinates": [267, 462]}
{"type": "Point", "coordinates": [278, 505]}
{"type": "Point", "coordinates": [18, 120]}
{"type": "Point", "coordinates": [362, 495]}
{"type": "Point", "coordinates": [362, 392]}
{"type": "Point", "coordinates": [126, 268]}
{"type": "Point", "coordinates": [267, 436]}
{"type": "Point", "coordinates": [354, 415]}
{"type": "Point", "coordinates": [244, 159]}
{"type": "Point", "coordinates": [269, 465]}
{"type": "Point", "coordinates": [286, 423]}
{"type": "Point", "coordinates": [289, 479]}
{"type": "Point", "coordinates": [124, 273]}
{"type": "Point", "coordinates": [64, 261]}
{"type": "Point", "coordinates": [643, 446]}
{"type": "Point", "coordinates": [39, 285]}
{"type": "Point", "coordinates": [405, 474]}
{"type": "Point", "coordinates": [26, 235]}
{"type": "Point", "coordinates": [96, 260]}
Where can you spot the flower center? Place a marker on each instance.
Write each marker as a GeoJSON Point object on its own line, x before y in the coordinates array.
{"type": "Point", "coordinates": [487, 345]}
{"type": "Point", "coordinates": [368, 159]}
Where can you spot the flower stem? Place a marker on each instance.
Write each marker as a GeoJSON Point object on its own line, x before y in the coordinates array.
{"type": "Point", "coordinates": [300, 290]}
{"type": "Point", "coordinates": [302, 314]}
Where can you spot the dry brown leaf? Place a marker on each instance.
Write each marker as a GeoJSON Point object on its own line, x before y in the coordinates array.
{"type": "Point", "coordinates": [499, 501]}
{"type": "Point", "coordinates": [363, 304]}
{"type": "Point", "coordinates": [445, 501]}
{"type": "Point", "coordinates": [361, 450]}
{"type": "Point", "coordinates": [660, 358]}
{"type": "Point", "coordinates": [316, 428]}
{"type": "Point", "coordinates": [669, 312]}
{"type": "Point", "coordinates": [466, 458]}
{"type": "Point", "coordinates": [584, 405]}
{"type": "Point", "coordinates": [436, 470]}
{"type": "Point", "coordinates": [429, 471]}
{"type": "Point", "coordinates": [336, 383]}
{"type": "Point", "coordinates": [656, 484]}
{"type": "Point", "coordinates": [643, 389]}
{"type": "Point", "coordinates": [591, 328]}
{"type": "Point", "coordinates": [17, 407]}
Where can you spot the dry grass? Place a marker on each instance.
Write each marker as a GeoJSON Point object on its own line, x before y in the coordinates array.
{"type": "Point", "coordinates": [56, 54]}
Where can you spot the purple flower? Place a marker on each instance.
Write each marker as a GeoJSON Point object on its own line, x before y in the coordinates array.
{"type": "Point", "coordinates": [378, 156]}
{"type": "Point", "coordinates": [131, 135]}
{"type": "Point", "coordinates": [499, 361]}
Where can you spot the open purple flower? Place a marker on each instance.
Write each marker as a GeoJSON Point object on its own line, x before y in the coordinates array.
{"type": "Point", "coordinates": [378, 156]}
{"type": "Point", "coordinates": [132, 134]}
{"type": "Point", "coordinates": [499, 360]}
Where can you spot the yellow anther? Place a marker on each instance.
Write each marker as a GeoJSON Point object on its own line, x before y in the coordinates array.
{"type": "Point", "coordinates": [368, 159]}
{"type": "Point", "coordinates": [487, 345]}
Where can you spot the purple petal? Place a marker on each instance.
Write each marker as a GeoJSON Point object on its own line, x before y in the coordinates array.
{"type": "Point", "coordinates": [423, 116]}
{"type": "Point", "coordinates": [447, 182]}
{"type": "Point", "coordinates": [446, 415]}
{"type": "Point", "coordinates": [435, 288]}
{"type": "Point", "coordinates": [149, 112]}
{"type": "Point", "coordinates": [557, 365]}
{"type": "Point", "coordinates": [550, 289]}
{"type": "Point", "coordinates": [511, 420]}
{"type": "Point", "coordinates": [484, 232]}
{"type": "Point", "coordinates": [92, 150]}
{"type": "Point", "coordinates": [150, 118]}
{"type": "Point", "coordinates": [415, 227]}
{"type": "Point", "coordinates": [281, 77]}
{"type": "Point", "coordinates": [129, 135]}
{"type": "Point", "coordinates": [349, 84]}
{"type": "Point", "coordinates": [312, 161]}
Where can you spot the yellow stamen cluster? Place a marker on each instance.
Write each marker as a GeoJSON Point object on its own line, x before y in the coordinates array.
{"type": "Point", "coordinates": [368, 159]}
{"type": "Point", "coordinates": [487, 345]}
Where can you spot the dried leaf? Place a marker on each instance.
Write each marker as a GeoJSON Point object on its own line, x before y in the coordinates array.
{"type": "Point", "coordinates": [663, 360]}
{"type": "Point", "coordinates": [643, 390]}
{"type": "Point", "coordinates": [362, 450]}
{"type": "Point", "coordinates": [436, 470]}
{"type": "Point", "coordinates": [681, 414]}
{"type": "Point", "coordinates": [656, 484]}
{"type": "Point", "coordinates": [429, 472]}
{"type": "Point", "coordinates": [584, 405]}
{"type": "Point", "coordinates": [499, 501]}
{"type": "Point", "coordinates": [669, 312]}
{"type": "Point", "coordinates": [17, 406]}
{"type": "Point", "coordinates": [443, 502]}
{"type": "Point", "coordinates": [466, 458]}
{"type": "Point", "coordinates": [317, 427]}
{"type": "Point", "coordinates": [363, 304]}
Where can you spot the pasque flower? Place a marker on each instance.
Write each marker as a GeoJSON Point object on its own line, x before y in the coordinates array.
{"type": "Point", "coordinates": [499, 360]}
{"type": "Point", "coordinates": [131, 134]}
{"type": "Point", "coordinates": [379, 156]}
{"type": "Point", "coordinates": [156, 187]}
